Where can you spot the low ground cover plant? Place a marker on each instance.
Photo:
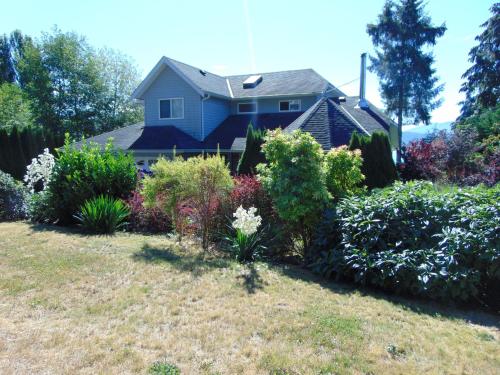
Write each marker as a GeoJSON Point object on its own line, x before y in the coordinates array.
{"type": "Point", "coordinates": [416, 239]}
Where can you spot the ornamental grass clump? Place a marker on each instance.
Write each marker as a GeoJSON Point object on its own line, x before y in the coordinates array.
{"type": "Point", "coordinates": [103, 215]}
{"type": "Point", "coordinates": [246, 242]}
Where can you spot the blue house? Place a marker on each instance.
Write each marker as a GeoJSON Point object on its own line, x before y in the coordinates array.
{"type": "Point", "coordinates": [193, 111]}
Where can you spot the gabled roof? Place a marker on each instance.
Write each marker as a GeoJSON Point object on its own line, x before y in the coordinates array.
{"type": "Point", "coordinates": [284, 83]}
{"type": "Point", "coordinates": [123, 138]}
{"type": "Point", "coordinates": [332, 122]}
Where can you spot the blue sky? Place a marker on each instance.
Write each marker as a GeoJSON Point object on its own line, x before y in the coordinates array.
{"type": "Point", "coordinates": [241, 36]}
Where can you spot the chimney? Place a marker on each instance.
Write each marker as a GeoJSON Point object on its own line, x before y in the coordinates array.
{"type": "Point", "coordinates": [362, 83]}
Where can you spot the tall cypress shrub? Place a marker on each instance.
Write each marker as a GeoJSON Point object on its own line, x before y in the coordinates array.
{"type": "Point", "coordinates": [253, 154]}
{"type": "Point", "coordinates": [378, 167]}
{"type": "Point", "coordinates": [18, 161]}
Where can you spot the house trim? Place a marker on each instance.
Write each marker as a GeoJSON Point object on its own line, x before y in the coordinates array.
{"type": "Point", "coordinates": [170, 118]}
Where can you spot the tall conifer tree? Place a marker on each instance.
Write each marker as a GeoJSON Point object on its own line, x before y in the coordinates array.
{"type": "Point", "coordinates": [408, 83]}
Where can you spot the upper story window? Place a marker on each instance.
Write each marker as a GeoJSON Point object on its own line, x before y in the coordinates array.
{"type": "Point", "coordinates": [290, 105]}
{"type": "Point", "coordinates": [172, 108]}
{"type": "Point", "coordinates": [247, 107]}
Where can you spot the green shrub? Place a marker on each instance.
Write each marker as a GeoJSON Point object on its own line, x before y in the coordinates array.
{"type": "Point", "coordinates": [163, 368]}
{"type": "Point", "coordinates": [414, 239]}
{"type": "Point", "coordinates": [253, 155]}
{"type": "Point", "coordinates": [103, 215]}
{"type": "Point", "coordinates": [200, 183]}
{"type": "Point", "coordinates": [13, 197]}
{"type": "Point", "coordinates": [378, 167]}
{"type": "Point", "coordinates": [85, 173]}
{"type": "Point", "coordinates": [39, 208]}
{"type": "Point", "coordinates": [343, 172]}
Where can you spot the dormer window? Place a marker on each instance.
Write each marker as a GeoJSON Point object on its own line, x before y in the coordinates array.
{"type": "Point", "coordinates": [171, 108]}
{"type": "Point", "coordinates": [290, 105]}
{"type": "Point", "coordinates": [250, 107]}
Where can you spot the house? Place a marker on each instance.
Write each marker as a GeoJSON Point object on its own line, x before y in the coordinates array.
{"type": "Point", "coordinates": [191, 111]}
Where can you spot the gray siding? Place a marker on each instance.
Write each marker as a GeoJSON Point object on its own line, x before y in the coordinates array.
{"type": "Point", "coordinates": [215, 111]}
{"type": "Point", "coordinates": [169, 85]}
{"type": "Point", "coordinates": [272, 105]}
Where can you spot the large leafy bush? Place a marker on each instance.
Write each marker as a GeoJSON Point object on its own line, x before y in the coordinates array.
{"type": "Point", "coordinates": [13, 197]}
{"type": "Point", "coordinates": [294, 178]}
{"type": "Point", "coordinates": [199, 183]}
{"type": "Point", "coordinates": [84, 173]}
{"type": "Point", "coordinates": [414, 239]}
{"type": "Point", "coordinates": [343, 172]}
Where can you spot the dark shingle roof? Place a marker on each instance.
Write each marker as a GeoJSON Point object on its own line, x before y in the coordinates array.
{"type": "Point", "coordinates": [284, 83]}
{"type": "Point", "coordinates": [235, 126]}
{"type": "Point", "coordinates": [123, 138]}
{"type": "Point", "coordinates": [332, 122]}
{"type": "Point", "coordinates": [164, 138]}
{"type": "Point", "coordinates": [291, 82]}
{"type": "Point", "coordinates": [207, 82]}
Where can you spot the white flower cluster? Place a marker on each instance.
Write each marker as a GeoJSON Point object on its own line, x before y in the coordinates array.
{"type": "Point", "coordinates": [246, 220]}
{"type": "Point", "coordinates": [40, 169]}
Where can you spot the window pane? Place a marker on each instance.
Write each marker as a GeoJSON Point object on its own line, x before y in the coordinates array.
{"type": "Point", "coordinates": [247, 107]}
{"type": "Point", "coordinates": [164, 108]}
{"type": "Point", "coordinates": [284, 106]}
{"type": "Point", "coordinates": [177, 108]}
{"type": "Point", "coordinates": [294, 107]}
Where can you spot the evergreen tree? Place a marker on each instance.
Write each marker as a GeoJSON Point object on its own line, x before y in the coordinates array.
{"type": "Point", "coordinates": [17, 155]}
{"type": "Point", "coordinates": [253, 154]}
{"type": "Point", "coordinates": [482, 85]}
{"type": "Point", "coordinates": [408, 82]}
{"type": "Point", "coordinates": [378, 166]}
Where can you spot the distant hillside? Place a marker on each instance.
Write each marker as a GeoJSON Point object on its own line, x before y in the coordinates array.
{"type": "Point", "coordinates": [412, 132]}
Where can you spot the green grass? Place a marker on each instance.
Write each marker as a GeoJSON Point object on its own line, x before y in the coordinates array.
{"type": "Point", "coordinates": [71, 303]}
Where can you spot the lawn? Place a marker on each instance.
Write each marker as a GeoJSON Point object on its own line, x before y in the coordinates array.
{"type": "Point", "coordinates": [71, 303]}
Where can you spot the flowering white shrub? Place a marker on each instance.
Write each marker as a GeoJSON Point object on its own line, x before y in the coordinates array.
{"type": "Point", "coordinates": [247, 222]}
{"type": "Point", "coordinates": [40, 169]}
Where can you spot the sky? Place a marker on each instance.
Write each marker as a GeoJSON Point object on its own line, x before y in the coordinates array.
{"type": "Point", "coordinates": [249, 36]}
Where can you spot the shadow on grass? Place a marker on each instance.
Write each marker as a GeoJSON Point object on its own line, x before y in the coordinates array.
{"type": "Point", "coordinates": [73, 230]}
{"type": "Point", "coordinates": [252, 280]}
{"type": "Point", "coordinates": [439, 310]}
{"type": "Point", "coordinates": [197, 264]}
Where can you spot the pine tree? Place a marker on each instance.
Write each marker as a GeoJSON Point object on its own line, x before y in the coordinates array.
{"type": "Point", "coordinates": [482, 85]}
{"type": "Point", "coordinates": [253, 154]}
{"type": "Point", "coordinates": [408, 82]}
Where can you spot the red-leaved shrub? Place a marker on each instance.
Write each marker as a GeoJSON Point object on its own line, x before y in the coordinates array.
{"type": "Point", "coordinates": [249, 192]}
{"type": "Point", "coordinates": [148, 220]}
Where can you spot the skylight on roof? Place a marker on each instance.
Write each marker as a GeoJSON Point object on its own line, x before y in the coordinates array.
{"type": "Point", "coordinates": [252, 81]}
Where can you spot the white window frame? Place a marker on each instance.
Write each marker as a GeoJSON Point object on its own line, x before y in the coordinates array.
{"type": "Point", "coordinates": [244, 113]}
{"type": "Point", "coordinates": [290, 100]}
{"type": "Point", "coordinates": [170, 118]}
